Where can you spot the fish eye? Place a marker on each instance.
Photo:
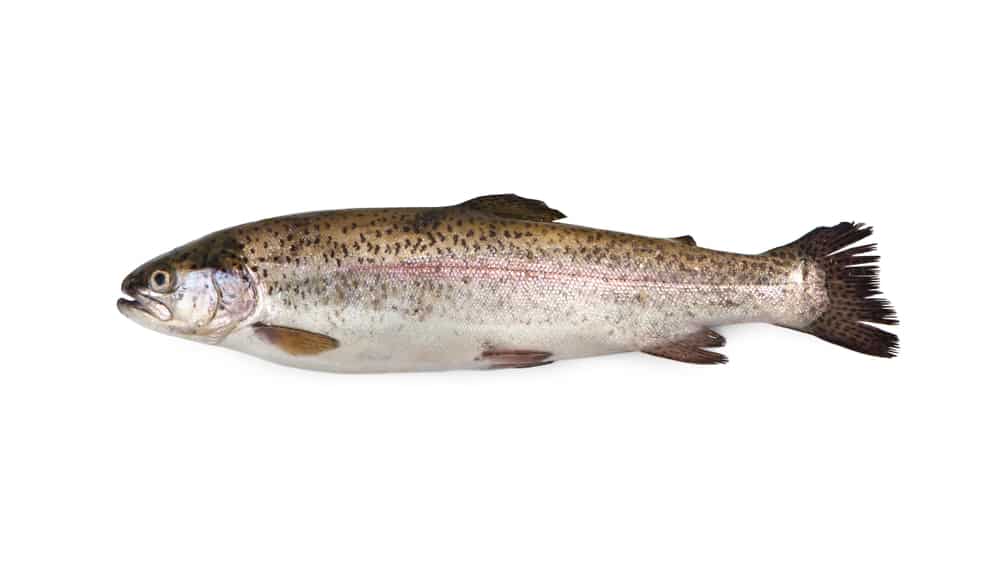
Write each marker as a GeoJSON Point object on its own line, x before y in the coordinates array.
{"type": "Point", "coordinates": [159, 280]}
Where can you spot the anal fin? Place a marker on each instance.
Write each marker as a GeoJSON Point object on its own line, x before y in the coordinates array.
{"type": "Point", "coordinates": [295, 342]}
{"type": "Point", "coordinates": [691, 349]}
{"type": "Point", "coordinates": [705, 338]}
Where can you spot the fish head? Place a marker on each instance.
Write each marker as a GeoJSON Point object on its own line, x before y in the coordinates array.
{"type": "Point", "coordinates": [200, 291]}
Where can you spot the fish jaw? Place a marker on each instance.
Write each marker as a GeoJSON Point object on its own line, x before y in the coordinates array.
{"type": "Point", "coordinates": [141, 307]}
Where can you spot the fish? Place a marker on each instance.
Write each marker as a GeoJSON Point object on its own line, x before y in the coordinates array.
{"type": "Point", "coordinates": [496, 282]}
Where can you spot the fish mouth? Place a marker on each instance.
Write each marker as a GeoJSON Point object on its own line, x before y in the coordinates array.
{"type": "Point", "coordinates": [143, 304]}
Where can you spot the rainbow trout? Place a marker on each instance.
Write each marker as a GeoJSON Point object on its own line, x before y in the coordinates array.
{"type": "Point", "coordinates": [494, 282]}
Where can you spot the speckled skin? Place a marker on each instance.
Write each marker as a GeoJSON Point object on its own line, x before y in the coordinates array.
{"type": "Point", "coordinates": [433, 288]}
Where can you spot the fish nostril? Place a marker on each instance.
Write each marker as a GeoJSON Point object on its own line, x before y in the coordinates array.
{"type": "Point", "coordinates": [128, 285]}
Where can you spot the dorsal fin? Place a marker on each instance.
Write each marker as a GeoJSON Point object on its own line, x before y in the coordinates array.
{"type": "Point", "coordinates": [513, 206]}
{"type": "Point", "coordinates": [686, 239]}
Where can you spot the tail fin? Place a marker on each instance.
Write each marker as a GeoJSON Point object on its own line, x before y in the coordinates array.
{"type": "Point", "coordinates": [851, 285]}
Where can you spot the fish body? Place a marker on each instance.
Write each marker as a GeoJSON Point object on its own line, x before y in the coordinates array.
{"type": "Point", "coordinates": [493, 282]}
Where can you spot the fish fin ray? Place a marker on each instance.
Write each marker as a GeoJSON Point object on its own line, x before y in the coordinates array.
{"type": "Point", "coordinates": [514, 358]}
{"type": "Point", "coordinates": [518, 365]}
{"type": "Point", "coordinates": [691, 349]}
{"type": "Point", "coordinates": [852, 287]}
{"type": "Point", "coordinates": [687, 354]}
{"type": "Point", "coordinates": [706, 338]}
{"type": "Point", "coordinates": [513, 206]}
{"type": "Point", "coordinates": [295, 342]}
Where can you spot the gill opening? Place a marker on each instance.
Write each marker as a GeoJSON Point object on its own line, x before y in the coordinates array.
{"type": "Point", "coordinates": [217, 303]}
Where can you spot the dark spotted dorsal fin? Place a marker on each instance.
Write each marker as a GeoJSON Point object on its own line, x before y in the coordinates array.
{"type": "Point", "coordinates": [295, 342]}
{"type": "Point", "coordinates": [513, 206]}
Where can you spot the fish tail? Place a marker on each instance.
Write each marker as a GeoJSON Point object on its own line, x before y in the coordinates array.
{"type": "Point", "coordinates": [851, 289]}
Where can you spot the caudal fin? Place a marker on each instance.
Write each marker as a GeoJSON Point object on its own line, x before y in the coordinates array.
{"type": "Point", "coordinates": [852, 288]}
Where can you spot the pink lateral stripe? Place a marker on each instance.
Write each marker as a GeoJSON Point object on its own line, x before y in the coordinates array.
{"type": "Point", "coordinates": [454, 269]}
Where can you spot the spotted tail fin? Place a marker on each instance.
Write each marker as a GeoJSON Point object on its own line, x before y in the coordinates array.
{"type": "Point", "coordinates": [852, 289]}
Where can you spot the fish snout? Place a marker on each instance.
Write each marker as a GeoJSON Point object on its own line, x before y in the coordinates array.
{"type": "Point", "coordinates": [130, 284]}
{"type": "Point", "coordinates": [140, 301]}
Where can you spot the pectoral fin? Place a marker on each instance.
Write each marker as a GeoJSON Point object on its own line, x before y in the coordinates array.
{"type": "Point", "coordinates": [513, 206]}
{"type": "Point", "coordinates": [295, 342]}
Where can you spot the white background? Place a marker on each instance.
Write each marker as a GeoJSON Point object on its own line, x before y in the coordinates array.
{"type": "Point", "coordinates": [127, 128]}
